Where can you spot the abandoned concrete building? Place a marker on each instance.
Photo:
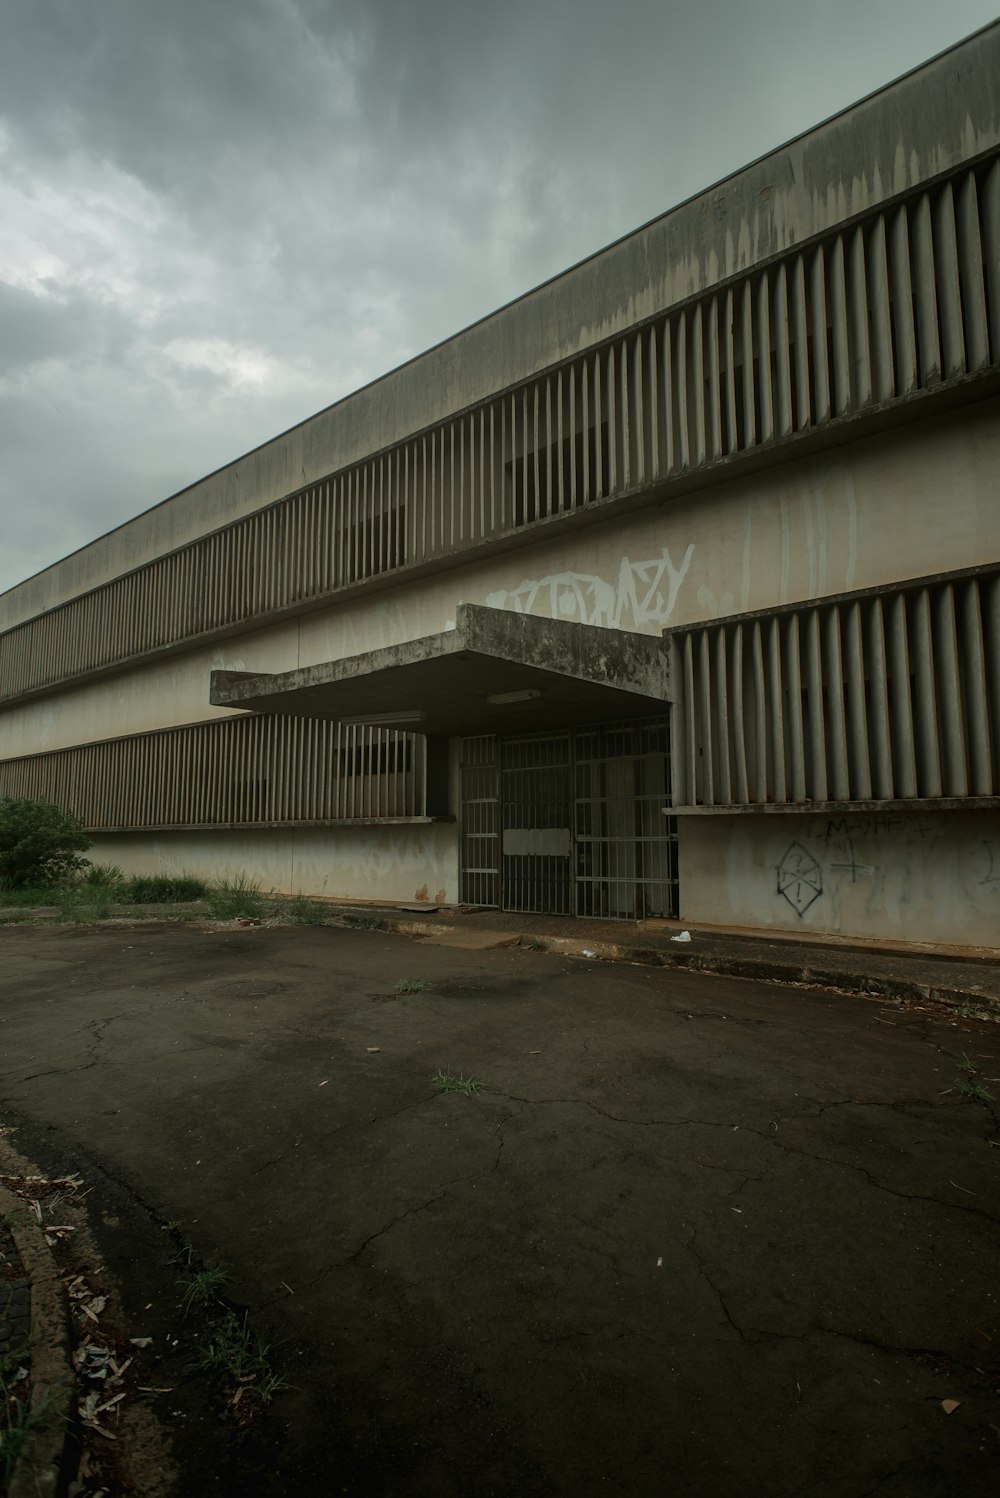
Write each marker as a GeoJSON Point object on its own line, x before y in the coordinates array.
{"type": "Point", "coordinates": [670, 589]}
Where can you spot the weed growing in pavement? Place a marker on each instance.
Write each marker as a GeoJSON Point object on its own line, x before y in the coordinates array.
{"type": "Point", "coordinates": [972, 1090]}
{"type": "Point", "coordinates": [977, 1011]}
{"type": "Point", "coordinates": [242, 1358]}
{"type": "Point", "coordinates": [363, 922]}
{"type": "Point", "coordinates": [185, 1253]}
{"type": "Point", "coordinates": [203, 1289]}
{"type": "Point", "coordinates": [231, 899]}
{"type": "Point", "coordinates": [970, 1087]}
{"type": "Point", "coordinates": [409, 985]}
{"type": "Point", "coordinates": [13, 1359]}
{"type": "Point", "coordinates": [445, 1082]}
{"type": "Point", "coordinates": [19, 1423]}
{"type": "Point", "coordinates": [533, 944]}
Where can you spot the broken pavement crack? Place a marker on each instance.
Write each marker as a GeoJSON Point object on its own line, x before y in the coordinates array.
{"type": "Point", "coordinates": [752, 1335]}
{"type": "Point", "coordinates": [771, 1139]}
{"type": "Point", "coordinates": [410, 1212]}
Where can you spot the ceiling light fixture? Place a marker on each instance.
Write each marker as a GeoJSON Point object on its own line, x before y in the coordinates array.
{"type": "Point", "coordinates": [501, 699]}
{"type": "Point", "coordinates": [384, 720]}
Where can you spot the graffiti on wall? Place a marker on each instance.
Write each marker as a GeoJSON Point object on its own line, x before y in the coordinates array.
{"type": "Point", "coordinates": [644, 593]}
{"type": "Point", "coordinates": [992, 875]}
{"type": "Point", "coordinates": [800, 878]}
{"type": "Point", "coordinates": [891, 868]}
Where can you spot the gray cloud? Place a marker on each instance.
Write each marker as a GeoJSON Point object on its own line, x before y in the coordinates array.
{"type": "Point", "coordinates": [217, 218]}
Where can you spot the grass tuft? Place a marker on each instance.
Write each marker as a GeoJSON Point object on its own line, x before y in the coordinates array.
{"type": "Point", "coordinates": [308, 912]}
{"type": "Point", "coordinates": [103, 875]}
{"type": "Point", "coordinates": [90, 895]}
{"type": "Point", "coordinates": [975, 1011]}
{"type": "Point", "coordinates": [242, 1358]}
{"type": "Point", "coordinates": [203, 1289]}
{"type": "Point", "coordinates": [159, 889]}
{"type": "Point", "coordinates": [409, 985]}
{"type": "Point", "coordinates": [444, 1082]}
{"type": "Point", "coordinates": [974, 1091]}
{"type": "Point", "coordinates": [19, 1423]}
{"type": "Point", "coordinates": [86, 903]}
{"type": "Point", "coordinates": [969, 1086]}
{"type": "Point", "coordinates": [231, 899]}
{"type": "Point", "coordinates": [31, 894]}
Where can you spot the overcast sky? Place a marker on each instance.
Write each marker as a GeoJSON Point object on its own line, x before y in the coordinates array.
{"type": "Point", "coordinates": [218, 216]}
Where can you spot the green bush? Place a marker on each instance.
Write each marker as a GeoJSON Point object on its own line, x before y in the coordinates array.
{"type": "Point", "coordinates": [39, 843]}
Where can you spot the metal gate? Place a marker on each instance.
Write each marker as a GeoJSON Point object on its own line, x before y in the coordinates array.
{"type": "Point", "coordinates": [571, 823]}
{"type": "Point", "coordinates": [479, 841]}
{"type": "Point", "coordinates": [536, 817]}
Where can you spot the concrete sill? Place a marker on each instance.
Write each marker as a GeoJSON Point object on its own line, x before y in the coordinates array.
{"type": "Point", "coordinates": [271, 826]}
{"type": "Point", "coordinates": [807, 808]}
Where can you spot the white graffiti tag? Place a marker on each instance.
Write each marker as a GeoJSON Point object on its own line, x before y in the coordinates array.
{"type": "Point", "coordinates": [645, 593]}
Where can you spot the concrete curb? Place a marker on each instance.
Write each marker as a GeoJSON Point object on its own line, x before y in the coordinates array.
{"type": "Point", "coordinates": [819, 977]}
{"type": "Point", "coordinates": [766, 970]}
{"type": "Point", "coordinates": [40, 1472]}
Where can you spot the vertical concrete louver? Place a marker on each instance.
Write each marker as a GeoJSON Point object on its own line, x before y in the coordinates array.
{"type": "Point", "coordinates": [894, 306]}
{"type": "Point", "coordinates": [883, 696]}
{"type": "Point", "coordinates": [229, 772]}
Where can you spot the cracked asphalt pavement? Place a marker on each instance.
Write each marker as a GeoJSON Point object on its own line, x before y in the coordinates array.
{"type": "Point", "coordinates": [694, 1236]}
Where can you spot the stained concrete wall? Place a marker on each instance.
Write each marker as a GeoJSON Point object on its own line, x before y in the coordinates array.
{"type": "Point", "coordinates": [408, 863]}
{"type": "Point", "coordinates": [926, 124]}
{"type": "Point", "coordinates": [917, 876]}
{"type": "Point", "coordinates": [925, 876]}
{"type": "Point", "coordinates": [920, 500]}
{"type": "Point", "coordinates": [917, 501]}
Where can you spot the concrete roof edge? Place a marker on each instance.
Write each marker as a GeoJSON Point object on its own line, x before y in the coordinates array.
{"type": "Point", "coordinates": [988, 36]}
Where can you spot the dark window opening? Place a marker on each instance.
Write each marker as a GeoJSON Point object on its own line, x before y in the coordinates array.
{"type": "Point", "coordinates": [541, 483]}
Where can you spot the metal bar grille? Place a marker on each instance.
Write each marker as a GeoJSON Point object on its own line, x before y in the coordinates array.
{"type": "Point", "coordinates": [891, 695]}
{"type": "Point", "coordinates": [626, 851]}
{"type": "Point", "coordinates": [571, 822]}
{"type": "Point", "coordinates": [898, 303]}
{"type": "Point", "coordinates": [479, 857]}
{"type": "Point", "coordinates": [230, 771]}
{"type": "Point", "coordinates": [536, 820]}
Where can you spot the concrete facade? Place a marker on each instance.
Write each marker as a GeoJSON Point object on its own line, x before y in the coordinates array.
{"type": "Point", "coordinates": [853, 517]}
{"type": "Point", "coordinates": [729, 502]}
{"type": "Point", "coordinates": [927, 876]}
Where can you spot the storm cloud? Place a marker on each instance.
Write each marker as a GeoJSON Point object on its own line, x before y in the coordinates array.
{"type": "Point", "coordinates": [217, 218]}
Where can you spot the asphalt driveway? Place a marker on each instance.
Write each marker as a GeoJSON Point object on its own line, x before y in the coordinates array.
{"type": "Point", "coordinates": [694, 1236]}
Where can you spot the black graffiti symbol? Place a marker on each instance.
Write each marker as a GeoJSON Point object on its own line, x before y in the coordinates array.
{"type": "Point", "coordinates": [800, 878]}
{"type": "Point", "coordinates": [992, 873]}
{"type": "Point", "coordinates": [853, 867]}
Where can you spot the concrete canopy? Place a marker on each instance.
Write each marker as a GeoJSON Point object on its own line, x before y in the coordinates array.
{"type": "Point", "coordinates": [495, 672]}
